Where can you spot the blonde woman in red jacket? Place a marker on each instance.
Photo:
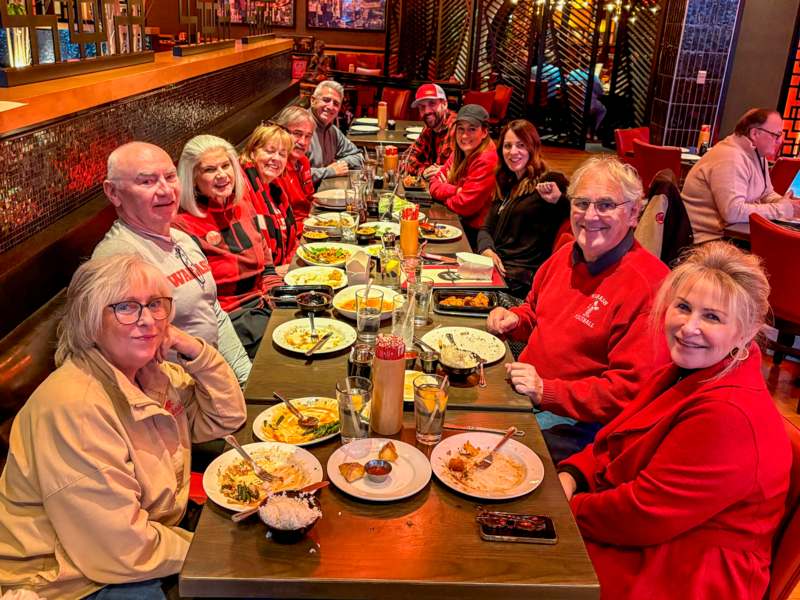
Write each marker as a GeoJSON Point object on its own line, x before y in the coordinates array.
{"type": "Point", "coordinates": [466, 182]}
{"type": "Point", "coordinates": [681, 494]}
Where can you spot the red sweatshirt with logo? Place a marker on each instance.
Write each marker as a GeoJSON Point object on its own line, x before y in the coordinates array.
{"type": "Point", "coordinates": [588, 335]}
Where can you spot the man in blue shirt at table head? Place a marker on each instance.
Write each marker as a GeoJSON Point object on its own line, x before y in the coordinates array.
{"type": "Point", "coordinates": [332, 154]}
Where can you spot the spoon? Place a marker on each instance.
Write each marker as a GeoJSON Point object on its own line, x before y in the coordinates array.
{"type": "Point", "coordinates": [241, 516]}
{"type": "Point", "coordinates": [307, 422]}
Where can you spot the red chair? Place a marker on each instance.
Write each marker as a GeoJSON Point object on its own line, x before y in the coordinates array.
{"type": "Point", "coordinates": [365, 100]}
{"type": "Point", "coordinates": [779, 248]}
{"type": "Point", "coordinates": [502, 97]}
{"type": "Point", "coordinates": [624, 141]}
{"type": "Point", "coordinates": [370, 61]}
{"type": "Point", "coordinates": [785, 568]}
{"type": "Point", "coordinates": [563, 235]}
{"type": "Point", "coordinates": [782, 173]}
{"type": "Point", "coordinates": [485, 99]}
{"type": "Point", "coordinates": [649, 160]}
{"type": "Point", "coordinates": [366, 71]}
{"type": "Point", "coordinates": [345, 59]}
{"type": "Point", "coordinates": [397, 102]}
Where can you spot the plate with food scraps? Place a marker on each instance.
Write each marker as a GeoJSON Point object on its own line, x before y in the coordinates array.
{"type": "Point", "coordinates": [382, 227]}
{"type": "Point", "coordinates": [326, 254]}
{"type": "Point", "coordinates": [484, 344]}
{"type": "Point", "coordinates": [336, 278]}
{"type": "Point", "coordinates": [295, 335]}
{"type": "Point", "coordinates": [230, 481]}
{"type": "Point", "coordinates": [364, 129]}
{"type": "Point", "coordinates": [439, 232]}
{"type": "Point", "coordinates": [278, 424]}
{"type": "Point", "coordinates": [515, 471]}
{"type": "Point", "coordinates": [414, 129]}
{"type": "Point", "coordinates": [328, 222]}
{"type": "Point", "coordinates": [410, 470]}
{"type": "Point", "coordinates": [345, 301]}
{"type": "Point", "coordinates": [335, 198]}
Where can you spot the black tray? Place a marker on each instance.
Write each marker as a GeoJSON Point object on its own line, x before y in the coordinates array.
{"type": "Point", "coordinates": [283, 296]}
{"type": "Point", "coordinates": [462, 311]}
{"type": "Point", "coordinates": [420, 197]}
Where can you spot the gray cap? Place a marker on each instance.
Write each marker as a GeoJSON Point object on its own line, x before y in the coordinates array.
{"type": "Point", "coordinates": [474, 114]}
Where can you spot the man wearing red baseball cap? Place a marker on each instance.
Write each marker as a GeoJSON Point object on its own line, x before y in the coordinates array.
{"type": "Point", "coordinates": [435, 143]}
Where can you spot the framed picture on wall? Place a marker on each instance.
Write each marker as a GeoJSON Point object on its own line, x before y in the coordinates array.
{"type": "Point", "coordinates": [282, 11]}
{"type": "Point", "coordinates": [360, 15]}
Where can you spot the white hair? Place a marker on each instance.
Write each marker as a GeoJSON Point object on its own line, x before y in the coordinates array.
{"type": "Point", "coordinates": [623, 175]}
{"type": "Point", "coordinates": [191, 155]}
{"type": "Point", "coordinates": [330, 84]}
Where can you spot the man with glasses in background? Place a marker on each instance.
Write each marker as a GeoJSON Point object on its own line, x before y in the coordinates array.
{"type": "Point", "coordinates": [331, 154]}
{"type": "Point", "coordinates": [143, 186]}
{"type": "Point", "coordinates": [589, 348]}
{"type": "Point", "coordinates": [731, 181]}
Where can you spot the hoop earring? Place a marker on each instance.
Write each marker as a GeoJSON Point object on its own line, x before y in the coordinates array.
{"type": "Point", "coordinates": [741, 354]}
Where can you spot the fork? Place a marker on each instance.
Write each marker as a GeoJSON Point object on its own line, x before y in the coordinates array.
{"type": "Point", "coordinates": [314, 334]}
{"type": "Point", "coordinates": [260, 472]}
{"type": "Point", "coordinates": [489, 458]}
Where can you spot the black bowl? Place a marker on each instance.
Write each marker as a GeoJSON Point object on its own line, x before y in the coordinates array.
{"type": "Point", "coordinates": [291, 536]}
{"type": "Point", "coordinates": [314, 302]}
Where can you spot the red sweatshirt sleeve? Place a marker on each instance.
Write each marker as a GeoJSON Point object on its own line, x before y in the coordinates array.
{"type": "Point", "coordinates": [476, 188]}
{"type": "Point", "coordinates": [707, 462]}
{"type": "Point", "coordinates": [439, 188]}
{"type": "Point", "coordinates": [631, 358]}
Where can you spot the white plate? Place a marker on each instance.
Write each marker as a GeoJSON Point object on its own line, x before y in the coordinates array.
{"type": "Point", "coordinates": [364, 129]}
{"type": "Point", "coordinates": [316, 276]}
{"type": "Point", "coordinates": [482, 343]}
{"type": "Point", "coordinates": [414, 129]}
{"type": "Point", "coordinates": [331, 198]}
{"type": "Point", "coordinates": [422, 216]}
{"type": "Point", "coordinates": [412, 136]}
{"type": "Point", "coordinates": [313, 222]}
{"type": "Point", "coordinates": [345, 332]}
{"type": "Point", "coordinates": [310, 465]}
{"type": "Point", "coordinates": [382, 226]}
{"type": "Point", "coordinates": [450, 233]}
{"type": "Point", "coordinates": [410, 472]}
{"type": "Point", "coordinates": [690, 157]}
{"type": "Point", "coordinates": [349, 293]}
{"type": "Point", "coordinates": [408, 384]}
{"type": "Point", "coordinates": [349, 248]}
{"type": "Point", "coordinates": [366, 121]}
{"type": "Point", "coordinates": [448, 448]}
{"type": "Point", "coordinates": [273, 411]}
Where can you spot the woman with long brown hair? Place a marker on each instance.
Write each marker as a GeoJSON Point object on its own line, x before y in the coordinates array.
{"type": "Point", "coordinates": [530, 205]}
{"type": "Point", "coordinates": [465, 183]}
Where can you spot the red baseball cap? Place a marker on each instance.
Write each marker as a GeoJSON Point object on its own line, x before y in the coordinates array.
{"type": "Point", "coordinates": [428, 91]}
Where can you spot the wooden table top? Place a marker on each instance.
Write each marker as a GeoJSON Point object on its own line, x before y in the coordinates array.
{"type": "Point", "coordinates": [396, 137]}
{"type": "Point", "coordinates": [293, 375]}
{"type": "Point", "coordinates": [426, 546]}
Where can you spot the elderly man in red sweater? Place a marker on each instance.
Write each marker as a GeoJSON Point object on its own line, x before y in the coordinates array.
{"type": "Point", "coordinates": [586, 317]}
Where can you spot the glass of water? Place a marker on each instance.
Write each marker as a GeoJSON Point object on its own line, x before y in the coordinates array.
{"type": "Point", "coordinates": [422, 291]}
{"type": "Point", "coordinates": [353, 395]}
{"type": "Point", "coordinates": [348, 221]}
{"type": "Point", "coordinates": [402, 322]}
{"type": "Point", "coordinates": [368, 314]}
{"type": "Point", "coordinates": [430, 405]}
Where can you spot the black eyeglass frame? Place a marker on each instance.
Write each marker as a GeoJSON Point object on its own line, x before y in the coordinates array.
{"type": "Point", "coordinates": [141, 306]}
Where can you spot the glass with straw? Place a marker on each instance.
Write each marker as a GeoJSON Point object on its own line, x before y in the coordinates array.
{"type": "Point", "coordinates": [353, 395]}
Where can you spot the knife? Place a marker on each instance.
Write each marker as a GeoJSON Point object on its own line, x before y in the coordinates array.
{"type": "Point", "coordinates": [319, 344]}
{"type": "Point", "coordinates": [518, 433]}
{"type": "Point", "coordinates": [442, 259]}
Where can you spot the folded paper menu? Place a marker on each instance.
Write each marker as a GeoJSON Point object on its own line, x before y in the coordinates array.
{"type": "Point", "coordinates": [358, 268]}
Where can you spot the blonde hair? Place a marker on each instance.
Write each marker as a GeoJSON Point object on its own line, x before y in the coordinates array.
{"type": "Point", "coordinates": [96, 284]}
{"type": "Point", "coordinates": [737, 277]}
{"type": "Point", "coordinates": [263, 135]}
{"type": "Point", "coordinates": [625, 176]}
{"type": "Point", "coordinates": [191, 156]}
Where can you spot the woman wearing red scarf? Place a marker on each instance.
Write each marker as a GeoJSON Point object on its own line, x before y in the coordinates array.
{"type": "Point", "coordinates": [264, 160]}
{"type": "Point", "coordinates": [296, 179]}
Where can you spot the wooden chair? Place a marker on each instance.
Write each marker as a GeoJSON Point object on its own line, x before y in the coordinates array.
{"type": "Point", "coordinates": [485, 99]}
{"type": "Point", "coordinates": [649, 159]}
{"type": "Point", "coordinates": [782, 173]}
{"type": "Point", "coordinates": [624, 141]}
{"type": "Point", "coordinates": [779, 248]}
{"type": "Point", "coordinates": [785, 568]}
{"type": "Point", "coordinates": [397, 102]}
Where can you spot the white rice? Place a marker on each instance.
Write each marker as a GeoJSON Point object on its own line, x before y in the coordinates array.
{"type": "Point", "coordinates": [283, 512]}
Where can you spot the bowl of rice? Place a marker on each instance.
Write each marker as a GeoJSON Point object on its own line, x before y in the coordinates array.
{"type": "Point", "coordinates": [290, 515]}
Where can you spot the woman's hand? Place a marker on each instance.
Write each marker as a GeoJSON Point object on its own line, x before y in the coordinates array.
{"type": "Point", "coordinates": [496, 260]}
{"type": "Point", "coordinates": [282, 270]}
{"type": "Point", "coordinates": [548, 191]}
{"type": "Point", "coordinates": [501, 320]}
{"type": "Point", "coordinates": [568, 483]}
{"type": "Point", "coordinates": [526, 380]}
{"type": "Point", "coordinates": [431, 171]}
{"type": "Point", "coordinates": [183, 343]}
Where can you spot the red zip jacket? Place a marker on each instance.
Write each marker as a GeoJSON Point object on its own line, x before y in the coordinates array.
{"type": "Point", "coordinates": [686, 487]}
{"type": "Point", "coordinates": [296, 182]}
{"type": "Point", "coordinates": [588, 335]}
{"type": "Point", "coordinates": [470, 196]}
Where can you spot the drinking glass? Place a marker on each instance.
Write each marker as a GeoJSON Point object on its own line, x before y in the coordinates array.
{"type": "Point", "coordinates": [390, 268]}
{"type": "Point", "coordinates": [386, 205]}
{"type": "Point", "coordinates": [422, 291]}
{"type": "Point", "coordinates": [348, 221]}
{"type": "Point", "coordinates": [412, 267]}
{"type": "Point", "coordinates": [402, 322]}
{"type": "Point", "coordinates": [355, 177]}
{"type": "Point", "coordinates": [368, 314]}
{"type": "Point", "coordinates": [430, 404]}
{"type": "Point", "coordinates": [409, 236]}
{"type": "Point", "coordinates": [353, 395]}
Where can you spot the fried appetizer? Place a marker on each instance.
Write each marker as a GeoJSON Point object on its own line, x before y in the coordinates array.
{"type": "Point", "coordinates": [457, 464]}
{"type": "Point", "coordinates": [388, 452]}
{"type": "Point", "coordinates": [351, 471]}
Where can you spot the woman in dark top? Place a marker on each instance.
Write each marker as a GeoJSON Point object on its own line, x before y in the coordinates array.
{"type": "Point", "coordinates": [529, 207]}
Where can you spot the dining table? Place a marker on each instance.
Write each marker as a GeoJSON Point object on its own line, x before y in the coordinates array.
{"type": "Point", "coordinates": [396, 137]}
{"type": "Point", "coordinates": [426, 546]}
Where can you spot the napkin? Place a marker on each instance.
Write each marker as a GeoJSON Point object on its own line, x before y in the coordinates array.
{"type": "Point", "coordinates": [358, 268]}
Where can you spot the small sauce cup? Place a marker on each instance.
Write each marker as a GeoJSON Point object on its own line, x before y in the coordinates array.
{"type": "Point", "coordinates": [378, 470]}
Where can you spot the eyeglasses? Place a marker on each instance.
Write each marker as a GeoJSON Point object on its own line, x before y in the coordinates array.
{"type": "Point", "coordinates": [601, 207]}
{"type": "Point", "coordinates": [776, 136]}
{"type": "Point", "coordinates": [129, 312]}
{"type": "Point", "coordinates": [189, 267]}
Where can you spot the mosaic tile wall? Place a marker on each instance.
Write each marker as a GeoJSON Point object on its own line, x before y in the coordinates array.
{"type": "Point", "coordinates": [698, 36]}
{"type": "Point", "coordinates": [50, 171]}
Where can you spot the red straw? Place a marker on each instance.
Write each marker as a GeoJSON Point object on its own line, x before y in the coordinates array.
{"type": "Point", "coordinates": [389, 347]}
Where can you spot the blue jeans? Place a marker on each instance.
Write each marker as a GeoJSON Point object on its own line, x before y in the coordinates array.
{"type": "Point", "coordinates": [564, 436]}
{"type": "Point", "coordinates": [140, 590]}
